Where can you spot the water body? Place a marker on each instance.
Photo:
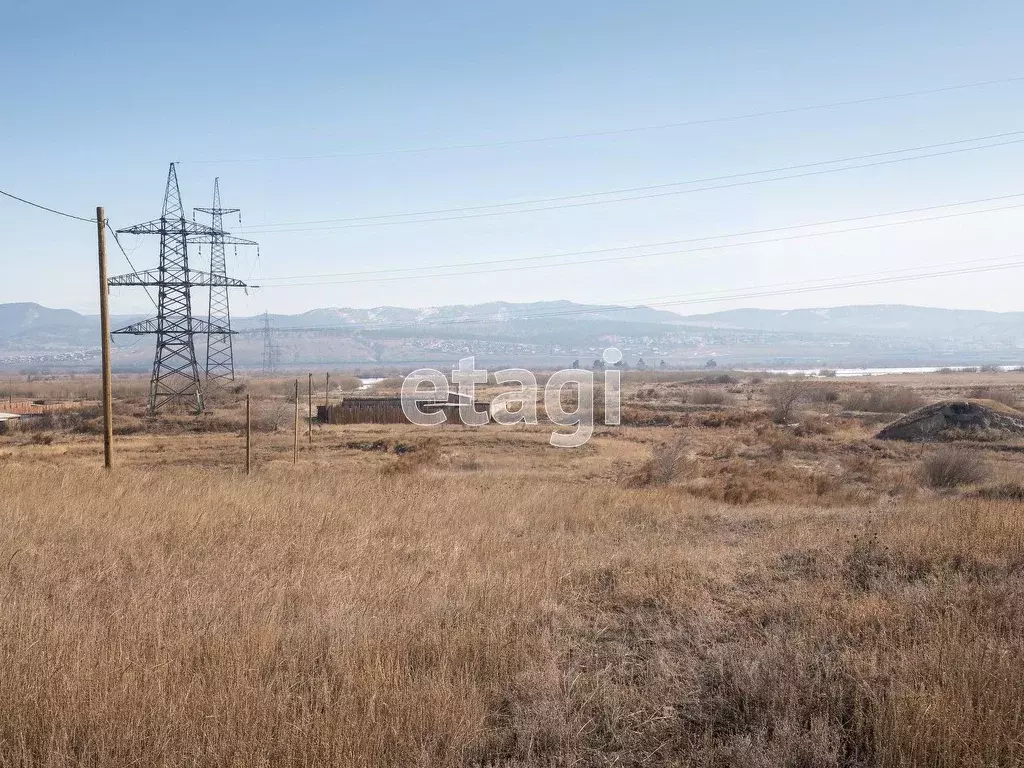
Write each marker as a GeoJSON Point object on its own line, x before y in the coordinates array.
{"type": "Point", "coordinates": [852, 372]}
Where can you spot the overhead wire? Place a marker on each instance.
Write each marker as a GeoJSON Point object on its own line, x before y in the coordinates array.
{"type": "Point", "coordinates": [47, 208]}
{"type": "Point", "coordinates": [272, 282]}
{"type": "Point", "coordinates": [128, 259]}
{"type": "Point", "coordinates": [473, 212]}
{"type": "Point", "coordinates": [776, 289]}
{"type": "Point", "coordinates": [626, 130]}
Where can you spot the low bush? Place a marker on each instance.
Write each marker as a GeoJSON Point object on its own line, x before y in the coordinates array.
{"type": "Point", "coordinates": [412, 458]}
{"type": "Point", "coordinates": [884, 400]}
{"type": "Point", "coordinates": [1002, 395]}
{"type": "Point", "coordinates": [784, 395]}
{"type": "Point", "coordinates": [666, 463]}
{"type": "Point", "coordinates": [704, 396]}
{"type": "Point", "coordinates": [951, 468]}
{"type": "Point", "coordinates": [812, 424]}
{"type": "Point", "coordinates": [822, 394]}
{"type": "Point", "coordinates": [1009, 491]}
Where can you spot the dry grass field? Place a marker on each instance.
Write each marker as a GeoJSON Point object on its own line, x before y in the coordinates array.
{"type": "Point", "coordinates": [709, 584]}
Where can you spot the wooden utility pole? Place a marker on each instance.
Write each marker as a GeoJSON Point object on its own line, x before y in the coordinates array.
{"type": "Point", "coordinates": [295, 441]}
{"type": "Point", "coordinates": [327, 392]}
{"type": "Point", "coordinates": [108, 409]}
{"type": "Point", "coordinates": [248, 435]}
{"type": "Point", "coordinates": [310, 409]}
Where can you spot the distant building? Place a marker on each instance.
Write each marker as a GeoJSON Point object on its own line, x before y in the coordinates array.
{"type": "Point", "coordinates": [388, 410]}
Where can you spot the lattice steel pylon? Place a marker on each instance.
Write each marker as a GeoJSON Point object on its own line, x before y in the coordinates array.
{"type": "Point", "coordinates": [175, 376]}
{"type": "Point", "coordinates": [269, 353]}
{"type": "Point", "coordinates": [220, 356]}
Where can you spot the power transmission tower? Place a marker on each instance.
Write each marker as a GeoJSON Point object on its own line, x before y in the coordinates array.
{"type": "Point", "coordinates": [269, 352]}
{"type": "Point", "coordinates": [220, 358]}
{"type": "Point", "coordinates": [175, 376]}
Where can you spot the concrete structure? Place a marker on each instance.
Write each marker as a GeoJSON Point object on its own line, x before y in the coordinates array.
{"type": "Point", "coordinates": [386, 410]}
{"type": "Point", "coordinates": [957, 419]}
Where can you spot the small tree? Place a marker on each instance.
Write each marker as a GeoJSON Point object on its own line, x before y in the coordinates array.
{"type": "Point", "coordinates": [711, 364]}
{"type": "Point", "coordinates": [784, 395]}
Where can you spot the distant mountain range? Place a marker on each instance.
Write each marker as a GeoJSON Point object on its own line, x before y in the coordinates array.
{"type": "Point", "coordinates": [553, 333]}
{"type": "Point", "coordinates": [883, 319]}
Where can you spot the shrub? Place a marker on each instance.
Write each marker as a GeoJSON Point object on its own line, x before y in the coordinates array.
{"type": "Point", "coordinates": [951, 468]}
{"type": "Point", "coordinates": [665, 464]}
{"type": "Point", "coordinates": [884, 400]}
{"type": "Point", "coordinates": [1009, 491]}
{"type": "Point", "coordinates": [708, 397]}
{"type": "Point", "coordinates": [784, 395]}
{"type": "Point", "coordinates": [1000, 395]}
{"type": "Point", "coordinates": [822, 394]}
{"type": "Point", "coordinates": [812, 424]}
{"type": "Point", "coordinates": [412, 458]}
{"type": "Point", "coordinates": [631, 416]}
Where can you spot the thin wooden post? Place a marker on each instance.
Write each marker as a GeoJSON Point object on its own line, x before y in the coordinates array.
{"type": "Point", "coordinates": [295, 441]}
{"type": "Point", "coordinates": [327, 392]}
{"type": "Point", "coordinates": [310, 402]}
{"type": "Point", "coordinates": [248, 435]}
{"type": "Point", "coordinates": [108, 409]}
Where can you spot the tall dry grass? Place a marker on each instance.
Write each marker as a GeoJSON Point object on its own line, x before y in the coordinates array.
{"type": "Point", "coordinates": [314, 616]}
{"type": "Point", "coordinates": [884, 399]}
{"type": "Point", "coordinates": [70, 387]}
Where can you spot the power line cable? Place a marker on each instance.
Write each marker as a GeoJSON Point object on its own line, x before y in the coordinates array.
{"type": "Point", "coordinates": [474, 212]}
{"type": "Point", "coordinates": [849, 284]}
{"type": "Point", "coordinates": [649, 187]}
{"type": "Point", "coordinates": [477, 263]}
{"type": "Point", "coordinates": [128, 259]}
{"type": "Point", "coordinates": [776, 289]}
{"type": "Point", "coordinates": [48, 209]}
{"type": "Point", "coordinates": [675, 252]}
{"type": "Point", "coordinates": [624, 131]}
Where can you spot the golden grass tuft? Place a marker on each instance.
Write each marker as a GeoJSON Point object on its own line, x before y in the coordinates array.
{"type": "Point", "coordinates": [723, 592]}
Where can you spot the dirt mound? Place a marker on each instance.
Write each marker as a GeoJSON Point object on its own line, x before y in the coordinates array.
{"type": "Point", "coordinates": [957, 419]}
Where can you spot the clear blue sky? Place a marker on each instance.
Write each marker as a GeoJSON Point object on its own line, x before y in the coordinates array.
{"type": "Point", "coordinates": [97, 102]}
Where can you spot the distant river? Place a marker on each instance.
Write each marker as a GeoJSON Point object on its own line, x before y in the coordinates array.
{"type": "Point", "coordinates": [848, 372]}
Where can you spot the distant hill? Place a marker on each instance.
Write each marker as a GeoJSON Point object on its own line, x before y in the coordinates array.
{"type": "Point", "coordinates": [555, 333]}
{"type": "Point", "coordinates": [478, 314]}
{"type": "Point", "coordinates": [26, 318]}
{"type": "Point", "coordinates": [887, 319]}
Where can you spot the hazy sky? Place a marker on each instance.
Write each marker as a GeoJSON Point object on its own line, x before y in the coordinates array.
{"type": "Point", "coordinates": [96, 102]}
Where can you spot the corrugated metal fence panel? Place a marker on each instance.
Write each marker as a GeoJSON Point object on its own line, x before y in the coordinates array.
{"type": "Point", "coordinates": [377, 411]}
{"type": "Point", "coordinates": [366, 411]}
